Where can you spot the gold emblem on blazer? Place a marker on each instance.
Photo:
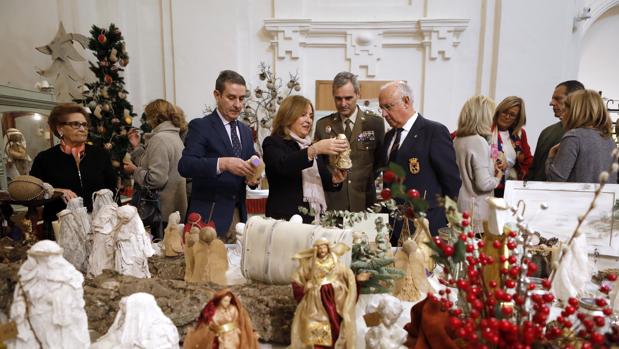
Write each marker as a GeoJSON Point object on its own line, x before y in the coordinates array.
{"type": "Point", "coordinates": [414, 166]}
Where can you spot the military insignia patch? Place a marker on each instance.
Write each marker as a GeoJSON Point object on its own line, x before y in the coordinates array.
{"type": "Point", "coordinates": [414, 166]}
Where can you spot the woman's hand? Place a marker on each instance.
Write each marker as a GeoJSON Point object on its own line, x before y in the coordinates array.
{"type": "Point", "coordinates": [498, 171]}
{"type": "Point", "coordinates": [501, 164]}
{"type": "Point", "coordinates": [67, 194]}
{"type": "Point", "coordinates": [134, 138]}
{"type": "Point", "coordinates": [338, 176]}
{"type": "Point", "coordinates": [129, 167]}
{"type": "Point", "coordinates": [330, 146]}
{"type": "Point", "coordinates": [553, 151]}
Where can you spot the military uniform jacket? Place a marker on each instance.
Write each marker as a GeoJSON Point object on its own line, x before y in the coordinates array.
{"type": "Point", "coordinates": [358, 191]}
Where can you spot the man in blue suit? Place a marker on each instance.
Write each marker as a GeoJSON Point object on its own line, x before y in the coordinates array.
{"type": "Point", "coordinates": [216, 149]}
{"type": "Point", "coordinates": [423, 148]}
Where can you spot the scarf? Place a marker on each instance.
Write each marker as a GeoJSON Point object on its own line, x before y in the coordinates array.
{"type": "Point", "coordinates": [77, 151]}
{"type": "Point", "coordinates": [313, 192]}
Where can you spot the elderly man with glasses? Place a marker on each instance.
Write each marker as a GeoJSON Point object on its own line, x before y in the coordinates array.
{"type": "Point", "coordinates": [423, 148]}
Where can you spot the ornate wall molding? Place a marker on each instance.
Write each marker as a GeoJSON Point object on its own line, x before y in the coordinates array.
{"type": "Point", "coordinates": [366, 41]}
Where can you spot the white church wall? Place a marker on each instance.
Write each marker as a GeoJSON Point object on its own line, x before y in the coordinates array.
{"type": "Point", "coordinates": [177, 48]}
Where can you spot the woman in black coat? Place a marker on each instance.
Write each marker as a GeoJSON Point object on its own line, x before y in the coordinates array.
{"type": "Point", "coordinates": [72, 167]}
{"type": "Point", "coordinates": [296, 168]}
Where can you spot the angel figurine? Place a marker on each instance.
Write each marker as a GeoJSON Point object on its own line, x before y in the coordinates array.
{"type": "Point", "coordinates": [172, 241]}
{"type": "Point", "coordinates": [415, 282]}
{"type": "Point", "coordinates": [342, 160]}
{"type": "Point", "coordinates": [223, 324]}
{"type": "Point", "coordinates": [323, 282]}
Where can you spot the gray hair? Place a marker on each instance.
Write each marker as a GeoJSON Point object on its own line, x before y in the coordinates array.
{"type": "Point", "coordinates": [402, 89]}
{"type": "Point", "coordinates": [342, 78]}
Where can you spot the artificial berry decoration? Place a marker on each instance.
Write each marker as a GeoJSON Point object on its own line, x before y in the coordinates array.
{"type": "Point", "coordinates": [388, 176]}
{"type": "Point", "coordinates": [108, 79]}
{"type": "Point", "coordinates": [413, 194]}
{"type": "Point", "coordinates": [386, 194]}
{"type": "Point", "coordinates": [611, 277]}
{"type": "Point", "coordinates": [101, 38]}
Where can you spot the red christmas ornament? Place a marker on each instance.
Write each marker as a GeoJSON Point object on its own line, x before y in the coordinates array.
{"type": "Point", "coordinates": [108, 79]}
{"type": "Point", "coordinates": [413, 194]}
{"type": "Point", "coordinates": [386, 194]}
{"type": "Point", "coordinates": [448, 250]}
{"type": "Point", "coordinates": [101, 38]}
{"type": "Point", "coordinates": [388, 176]}
{"type": "Point", "coordinates": [466, 215]}
{"type": "Point", "coordinates": [611, 277]}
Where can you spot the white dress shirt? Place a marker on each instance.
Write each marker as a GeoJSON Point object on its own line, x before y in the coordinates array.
{"type": "Point", "coordinates": [228, 131]}
{"type": "Point", "coordinates": [405, 129]}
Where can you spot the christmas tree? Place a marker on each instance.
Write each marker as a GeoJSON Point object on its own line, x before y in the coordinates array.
{"type": "Point", "coordinates": [111, 114]}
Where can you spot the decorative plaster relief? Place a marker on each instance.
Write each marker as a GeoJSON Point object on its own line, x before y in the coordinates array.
{"type": "Point", "coordinates": [441, 35]}
{"type": "Point", "coordinates": [365, 41]}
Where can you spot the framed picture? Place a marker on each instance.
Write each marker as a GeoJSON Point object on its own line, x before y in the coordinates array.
{"type": "Point", "coordinates": [565, 203]}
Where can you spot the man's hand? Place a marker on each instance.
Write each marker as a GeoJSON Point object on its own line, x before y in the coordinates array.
{"type": "Point", "coordinates": [236, 166]}
{"type": "Point", "coordinates": [338, 176]}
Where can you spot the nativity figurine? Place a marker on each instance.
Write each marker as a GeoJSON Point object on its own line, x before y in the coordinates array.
{"type": "Point", "coordinates": [222, 324]}
{"type": "Point", "coordinates": [172, 240]}
{"type": "Point", "coordinates": [190, 240]}
{"type": "Point", "coordinates": [133, 246]}
{"type": "Point", "coordinates": [210, 258]}
{"type": "Point", "coordinates": [385, 334]}
{"type": "Point", "coordinates": [139, 323]}
{"type": "Point", "coordinates": [342, 160]}
{"type": "Point", "coordinates": [48, 302]}
{"type": "Point", "coordinates": [414, 284]}
{"type": "Point", "coordinates": [103, 244]}
{"type": "Point", "coordinates": [323, 282]}
{"type": "Point", "coordinates": [18, 161]}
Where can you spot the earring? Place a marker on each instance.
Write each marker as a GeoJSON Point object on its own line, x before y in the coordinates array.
{"type": "Point", "coordinates": [60, 134]}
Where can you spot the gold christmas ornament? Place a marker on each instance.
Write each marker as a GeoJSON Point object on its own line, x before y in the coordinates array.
{"type": "Point", "coordinates": [128, 120]}
{"type": "Point", "coordinates": [124, 62]}
{"type": "Point", "coordinates": [107, 146]}
{"type": "Point", "coordinates": [106, 107]}
{"type": "Point", "coordinates": [113, 55]}
{"type": "Point", "coordinates": [97, 112]}
{"type": "Point", "coordinates": [115, 163]}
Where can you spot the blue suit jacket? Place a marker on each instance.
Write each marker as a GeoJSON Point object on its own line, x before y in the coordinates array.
{"type": "Point", "coordinates": [206, 141]}
{"type": "Point", "coordinates": [429, 146]}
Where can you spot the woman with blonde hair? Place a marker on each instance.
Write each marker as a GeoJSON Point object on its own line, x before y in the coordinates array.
{"type": "Point", "coordinates": [586, 147]}
{"type": "Point", "coordinates": [157, 167]}
{"type": "Point", "coordinates": [509, 141]}
{"type": "Point", "coordinates": [295, 169]}
{"type": "Point", "coordinates": [480, 174]}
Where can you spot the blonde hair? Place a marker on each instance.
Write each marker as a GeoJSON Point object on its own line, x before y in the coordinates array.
{"type": "Point", "coordinates": [289, 111]}
{"type": "Point", "coordinates": [161, 110]}
{"type": "Point", "coordinates": [475, 117]}
{"type": "Point", "coordinates": [586, 109]}
{"type": "Point", "coordinates": [505, 105]}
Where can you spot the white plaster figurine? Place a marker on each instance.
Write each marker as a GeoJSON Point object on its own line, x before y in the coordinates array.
{"type": "Point", "coordinates": [75, 236]}
{"type": "Point", "coordinates": [139, 323]}
{"type": "Point", "coordinates": [172, 240]}
{"type": "Point", "coordinates": [103, 245]}
{"type": "Point", "coordinates": [385, 335]}
{"type": "Point", "coordinates": [133, 247]}
{"type": "Point", "coordinates": [101, 198]}
{"type": "Point", "coordinates": [48, 303]}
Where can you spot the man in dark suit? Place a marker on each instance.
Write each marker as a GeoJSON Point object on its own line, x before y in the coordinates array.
{"type": "Point", "coordinates": [423, 148]}
{"type": "Point", "coordinates": [552, 134]}
{"type": "Point", "coordinates": [216, 149]}
{"type": "Point", "coordinates": [365, 133]}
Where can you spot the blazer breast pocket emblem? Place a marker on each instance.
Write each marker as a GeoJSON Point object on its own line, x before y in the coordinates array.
{"type": "Point", "coordinates": [414, 166]}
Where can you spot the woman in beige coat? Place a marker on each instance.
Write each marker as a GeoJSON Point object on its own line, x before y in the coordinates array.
{"type": "Point", "coordinates": [480, 175]}
{"type": "Point", "coordinates": [157, 166]}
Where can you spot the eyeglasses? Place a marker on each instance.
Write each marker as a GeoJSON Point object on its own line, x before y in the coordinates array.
{"type": "Point", "coordinates": [76, 124]}
{"type": "Point", "coordinates": [387, 107]}
{"type": "Point", "coordinates": [508, 115]}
